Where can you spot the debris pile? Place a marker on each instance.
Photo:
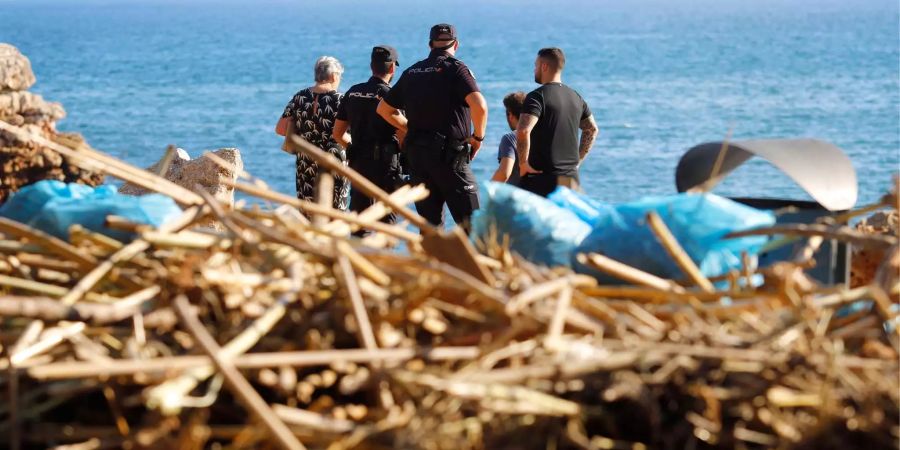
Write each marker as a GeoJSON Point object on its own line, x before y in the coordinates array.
{"type": "Point", "coordinates": [285, 332]}
{"type": "Point", "coordinates": [275, 328]}
{"type": "Point", "coordinates": [866, 261]}
{"type": "Point", "coordinates": [25, 162]}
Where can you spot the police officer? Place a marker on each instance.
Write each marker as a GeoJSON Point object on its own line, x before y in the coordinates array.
{"type": "Point", "coordinates": [372, 145]}
{"type": "Point", "coordinates": [440, 98]}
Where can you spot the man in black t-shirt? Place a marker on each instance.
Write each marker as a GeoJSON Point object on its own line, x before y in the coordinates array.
{"type": "Point", "coordinates": [442, 102]}
{"type": "Point", "coordinates": [547, 134]}
{"type": "Point", "coordinates": [371, 143]}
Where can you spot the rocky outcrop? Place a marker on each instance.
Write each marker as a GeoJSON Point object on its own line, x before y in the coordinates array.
{"type": "Point", "coordinates": [15, 69]}
{"type": "Point", "coordinates": [203, 172]}
{"type": "Point", "coordinates": [23, 163]}
{"type": "Point", "coordinates": [25, 108]}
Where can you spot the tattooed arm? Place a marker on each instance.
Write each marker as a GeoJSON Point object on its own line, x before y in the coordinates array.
{"type": "Point", "coordinates": [588, 134]}
{"type": "Point", "coordinates": [523, 142]}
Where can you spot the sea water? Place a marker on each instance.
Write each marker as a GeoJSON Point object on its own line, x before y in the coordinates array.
{"type": "Point", "coordinates": [660, 76]}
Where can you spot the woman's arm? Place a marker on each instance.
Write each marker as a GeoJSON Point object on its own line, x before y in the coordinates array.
{"type": "Point", "coordinates": [289, 130]}
{"type": "Point", "coordinates": [339, 132]}
{"type": "Point", "coordinates": [282, 126]}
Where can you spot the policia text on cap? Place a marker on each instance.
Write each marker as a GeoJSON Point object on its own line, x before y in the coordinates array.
{"type": "Point", "coordinates": [440, 98]}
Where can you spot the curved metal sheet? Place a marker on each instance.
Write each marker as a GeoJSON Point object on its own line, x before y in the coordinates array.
{"type": "Point", "coordinates": [819, 167]}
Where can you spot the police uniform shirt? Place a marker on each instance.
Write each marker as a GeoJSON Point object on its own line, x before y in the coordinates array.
{"type": "Point", "coordinates": [358, 109]}
{"type": "Point", "coordinates": [433, 94]}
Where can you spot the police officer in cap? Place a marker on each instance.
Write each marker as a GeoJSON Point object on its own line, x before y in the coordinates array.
{"type": "Point", "coordinates": [441, 101]}
{"type": "Point", "coordinates": [372, 145]}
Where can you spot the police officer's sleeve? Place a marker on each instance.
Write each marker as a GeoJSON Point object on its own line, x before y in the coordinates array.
{"type": "Point", "coordinates": [394, 97]}
{"type": "Point", "coordinates": [342, 110]}
{"type": "Point", "coordinates": [464, 82]}
{"type": "Point", "coordinates": [534, 104]}
{"type": "Point", "coordinates": [382, 91]}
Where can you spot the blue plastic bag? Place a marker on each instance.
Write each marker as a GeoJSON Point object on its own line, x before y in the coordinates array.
{"type": "Point", "coordinates": [698, 221]}
{"type": "Point", "coordinates": [539, 230]}
{"type": "Point", "coordinates": [53, 206]}
{"type": "Point", "coordinates": [586, 208]}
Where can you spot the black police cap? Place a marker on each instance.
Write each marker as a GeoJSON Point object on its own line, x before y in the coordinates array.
{"type": "Point", "coordinates": [443, 32]}
{"type": "Point", "coordinates": [385, 53]}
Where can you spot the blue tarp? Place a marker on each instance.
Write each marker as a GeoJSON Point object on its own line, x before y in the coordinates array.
{"type": "Point", "coordinates": [698, 221]}
{"type": "Point", "coordinates": [53, 206]}
{"type": "Point", "coordinates": [539, 230]}
{"type": "Point", "coordinates": [553, 231]}
{"type": "Point", "coordinates": [586, 208]}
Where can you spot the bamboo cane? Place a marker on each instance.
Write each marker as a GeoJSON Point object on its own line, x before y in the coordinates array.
{"type": "Point", "coordinates": [840, 233]}
{"type": "Point", "coordinates": [676, 251]}
{"type": "Point", "coordinates": [92, 159]}
{"type": "Point", "coordinates": [51, 243]}
{"type": "Point", "coordinates": [628, 273]}
{"type": "Point", "coordinates": [174, 364]}
{"type": "Point", "coordinates": [327, 212]}
{"type": "Point", "coordinates": [233, 378]}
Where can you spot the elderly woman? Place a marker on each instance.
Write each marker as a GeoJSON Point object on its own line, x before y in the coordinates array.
{"type": "Point", "coordinates": [311, 114]}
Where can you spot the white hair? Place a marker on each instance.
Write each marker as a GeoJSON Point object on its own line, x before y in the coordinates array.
{"type": "Point", "coordinates": [326, 66]}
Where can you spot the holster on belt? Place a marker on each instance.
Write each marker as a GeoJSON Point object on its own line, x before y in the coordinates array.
{"type": "Point", "coordinates": [387, 157]}
{"type": "Point", "coordinates": [452, 152]}
{"type": "Point", "coordinates": [457, 154]}
{"type": "Point", "coordinates": [374, 152]}
{"type": "Point", "coordinates": [386, 151]}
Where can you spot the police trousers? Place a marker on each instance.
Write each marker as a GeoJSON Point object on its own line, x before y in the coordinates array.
{"type": "Point", "coordinates": [381, 168]}
{"type": "Point", "coordinates": [443, 167]}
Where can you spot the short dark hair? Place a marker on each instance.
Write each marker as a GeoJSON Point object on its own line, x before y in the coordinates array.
{"type": "Point", "coordinates": [514, 102]}
{"type": "Point", "coordinates": [381, 68]}
{"type": "Point", "coordinates": [553, 56]}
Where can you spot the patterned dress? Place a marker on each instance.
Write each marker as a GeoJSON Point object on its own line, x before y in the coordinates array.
{"type": "Point", "coordinates": [314, 116]}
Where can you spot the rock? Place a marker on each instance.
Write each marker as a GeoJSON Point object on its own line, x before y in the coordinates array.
{"type": "Point", "coordinates": [15, 69]}
{"type": "Point", "coordinates": [24, 162]}
{"type": "Point", "coordinates": [179, 159]}
{"type": "Point", "coordinates": [203, 172]}
{"type": "Point", "coordinates": [189, 173]}
{"type": "Point", "coordinates": [20, 108]}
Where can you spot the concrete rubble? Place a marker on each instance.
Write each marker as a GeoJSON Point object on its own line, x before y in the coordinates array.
{"type": "Point", "coordinates": [204, 172]}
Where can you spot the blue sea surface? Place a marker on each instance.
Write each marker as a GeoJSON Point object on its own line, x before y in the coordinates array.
{"type": "Point", "coordinates": [660, 76]}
